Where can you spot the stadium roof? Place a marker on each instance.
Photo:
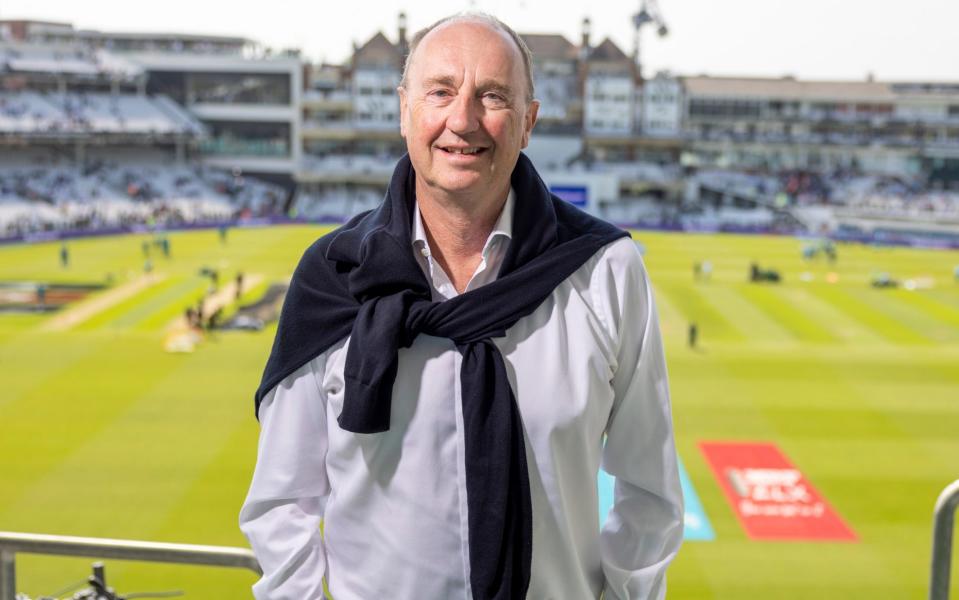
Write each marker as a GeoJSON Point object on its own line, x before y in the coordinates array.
{"type": "Point", "coordinates": [378, 51]}
{"type": "Point", "coordinates": [90, 34]}
{"type": "Point", "coordinates": [549, 46]}
{"type": "Point", "coordinates": [608, 51]}
{"type": "Point", "coordinates": [64, 59]}
{"type": "Point", "coordinates": [788, 88]}
{"type": "Point", "coordinates": [42, 64]}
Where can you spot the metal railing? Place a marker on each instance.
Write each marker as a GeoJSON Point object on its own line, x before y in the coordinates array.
{"type": "Point", "coordinates": [34, 543]}
{"type": "Point", "coordinates": [943, 524]}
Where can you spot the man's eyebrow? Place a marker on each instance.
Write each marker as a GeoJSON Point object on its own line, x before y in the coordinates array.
{"type": "Point", "coordinates": [489, 85]}
{"type": "Point", "coordinates": [495, 86]}
{"type": "Point", "coordinates": [446, 80]}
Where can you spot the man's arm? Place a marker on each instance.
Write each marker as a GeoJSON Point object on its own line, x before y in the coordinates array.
{"type": "Point", "coordinates": [283, 510]}
{"type": "Point", "coordinates": [645, 526]}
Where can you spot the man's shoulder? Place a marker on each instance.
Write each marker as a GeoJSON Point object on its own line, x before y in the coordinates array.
{"type": "Point", "coordinates": [617, 263]}
{"type": "Point", "coordinates": [316, 253]}
{"type": "Point", "coordinates": [622, 254]}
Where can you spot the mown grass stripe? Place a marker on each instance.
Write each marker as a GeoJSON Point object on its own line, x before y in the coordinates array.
{"type": "Point", "coordinates": [162, 423]}
{"type": "Point", "coordinates": [16, 323]}
{"type": "Point", "coordinates": [945, 296]}
{"type": "Point", "coordinates": [671, 321]}
{"type": "Point", "coordinates": [863, 312]}
{"type": "Point", "coordinates": [47, 423]}
{"type": "Point", "coordinates": [828, 317]}
{"type": "Point", "coordinates": [204, 512]}
{"type": "Point", "coordinates": [744, 314]}
{"type": "Point", "coordinates": [160, 309]}
{"type": "Point", "coordinates": [696, 309]}
{"type": "Point", "coordinates": [902, 306]}
{"type": "Point", "coordinates": [27, 363]}
{"type": "Point", "coordinates": [790, 316]}
{"type": "Point", "coordinates": [934, 309]}
{"type": "Point", "coordinates": [105, 317]}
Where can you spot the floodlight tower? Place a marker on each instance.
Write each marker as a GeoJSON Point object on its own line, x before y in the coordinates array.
{"type": "Point", "coordinates": [649, 13]}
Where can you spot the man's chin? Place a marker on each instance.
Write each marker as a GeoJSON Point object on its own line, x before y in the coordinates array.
{"type": "Point", "coordinates": [466, 183]}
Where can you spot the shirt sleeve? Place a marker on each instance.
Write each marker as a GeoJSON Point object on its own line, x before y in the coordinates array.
{"type": "Point", "coordinates": [644, 529]}
{"type": "Point", "coordinates": [282, 512]}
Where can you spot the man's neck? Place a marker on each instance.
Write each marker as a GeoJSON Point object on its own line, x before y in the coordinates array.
{"type": "Point", "coordinates": [457, 229]}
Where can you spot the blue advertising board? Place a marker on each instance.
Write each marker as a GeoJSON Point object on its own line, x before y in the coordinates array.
{"type": "Point", "coordinates": [577, 195]}
{"type": "Point", "coordinates": [696, 524]}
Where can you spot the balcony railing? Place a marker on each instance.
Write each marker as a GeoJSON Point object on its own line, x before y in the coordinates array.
{"type": "Point", "coordinates": [943, 525]}
{"type": "Point", "coordinates": [34, 543]}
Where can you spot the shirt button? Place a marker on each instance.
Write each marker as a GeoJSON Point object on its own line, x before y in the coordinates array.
{"type": "Point", "coordinates": [425, 252]}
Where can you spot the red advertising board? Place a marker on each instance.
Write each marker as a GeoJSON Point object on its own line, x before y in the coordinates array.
{"type": "Point", "coordinates": [771, 497]}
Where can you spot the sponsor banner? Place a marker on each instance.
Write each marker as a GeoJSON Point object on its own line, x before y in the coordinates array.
{"type": "Point", "coordinates": [696, 524]}
{"type": "Point", "coordinates": [771, 497]}
{"type": "Point", "coordinates": [576, 195]}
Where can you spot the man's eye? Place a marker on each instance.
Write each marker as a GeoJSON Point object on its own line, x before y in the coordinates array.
{"type": "Point", "coordinates": [440, 93]}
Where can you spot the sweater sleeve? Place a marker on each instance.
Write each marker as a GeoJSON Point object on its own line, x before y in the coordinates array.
{"type": "Point", "coordinates": [284, 507]}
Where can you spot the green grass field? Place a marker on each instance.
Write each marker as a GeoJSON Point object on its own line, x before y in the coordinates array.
{"type": "Point", "coordinates": [102, 433]}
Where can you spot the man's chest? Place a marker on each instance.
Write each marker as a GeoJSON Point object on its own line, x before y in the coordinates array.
{"type": "Point", "coordinates": [559, 361]}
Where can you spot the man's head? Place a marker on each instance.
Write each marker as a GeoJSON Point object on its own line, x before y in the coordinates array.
{"type": "Point", "coordinates": [466, 105]}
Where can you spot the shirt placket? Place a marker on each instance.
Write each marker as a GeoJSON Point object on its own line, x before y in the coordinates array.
{"type": "Point", "coordinates": [443, 290]}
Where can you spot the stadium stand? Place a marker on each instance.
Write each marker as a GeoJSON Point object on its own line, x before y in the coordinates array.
{"type": "Point", "coordinates": [104, 196]}
{"type": "Point", "coordinates": [84, 147]}
{"type": "Point", "coordinates": [68, 60]}
{"type": "Point", "coordinates": [56, 113]}
{"type": "Point", "coordinates": [333, 203]}
{"type": "Point", "coordinates": [744, 154]}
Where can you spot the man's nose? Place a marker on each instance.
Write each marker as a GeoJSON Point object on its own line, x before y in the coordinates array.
{"type": "Point", "coordinates": [464, 114]}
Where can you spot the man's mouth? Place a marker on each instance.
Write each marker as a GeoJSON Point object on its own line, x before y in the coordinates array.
{"type": "Point", "coordinates": [466, 150]}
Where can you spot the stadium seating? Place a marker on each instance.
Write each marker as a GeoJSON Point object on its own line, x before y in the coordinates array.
{"type": "Point", "coordinates": [54, 113]}
{"type": "Point", "coordinates": [39, 198]}
{"type": "Point", "coordinates": [334, 204]}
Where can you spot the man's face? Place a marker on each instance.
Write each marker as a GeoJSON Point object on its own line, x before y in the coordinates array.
{"type": "Point", "coordinates": [464, 112]}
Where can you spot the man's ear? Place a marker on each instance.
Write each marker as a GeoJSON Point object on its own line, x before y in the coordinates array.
{"type": "Point", "coordinates": [402, 94]}
{"type": "Point", "coordinates": [530, 121]}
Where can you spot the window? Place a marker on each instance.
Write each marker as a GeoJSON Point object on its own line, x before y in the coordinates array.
{"type": "Point", "coordinates": [723, 108]}
{"type": "Point", "coordinates": [245, 138]}
{"type": "Point", "coordinates": [238, 88]}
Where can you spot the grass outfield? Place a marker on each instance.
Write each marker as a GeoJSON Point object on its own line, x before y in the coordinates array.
{"type": "Point", "coordinates": [102, 433]}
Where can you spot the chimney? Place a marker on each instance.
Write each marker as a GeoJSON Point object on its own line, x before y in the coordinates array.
{"type": "Point", "coordinates": [401, 26]}
{"type": "Point", "coordinates": [587, 26]}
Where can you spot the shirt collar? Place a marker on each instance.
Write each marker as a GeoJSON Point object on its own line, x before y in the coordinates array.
{"type": "Point", "coordinates": [502, 229]}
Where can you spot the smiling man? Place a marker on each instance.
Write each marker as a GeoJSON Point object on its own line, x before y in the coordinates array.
{"type": "Point", "coordinates": [451, 369]}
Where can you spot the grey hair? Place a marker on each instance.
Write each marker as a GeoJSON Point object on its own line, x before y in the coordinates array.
{"type": "Point", "coordinates": [476, 17]}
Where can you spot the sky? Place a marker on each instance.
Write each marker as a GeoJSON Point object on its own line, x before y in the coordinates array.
{"type": "Point", "coordinates": [810, 39]}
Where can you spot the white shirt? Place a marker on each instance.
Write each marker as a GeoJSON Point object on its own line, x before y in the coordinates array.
{"type": "Point", "coordinates": [588, 362]}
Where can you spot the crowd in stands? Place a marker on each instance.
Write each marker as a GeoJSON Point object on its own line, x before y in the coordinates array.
{"type": "Point", "coordinates": [832, 138]}
{"type": "Point", "coordinates": [30, 112]}
{"type": "Point", "coordinates": [336, 203]}
{"type": "Point", "coordinates": [923, 206]}
{"type": "Point", "coordinates": [106, 195]}
{"type": "Point", "coordinates": [111, 192]}
{"type": "Point", "coordinates": [840, 188]}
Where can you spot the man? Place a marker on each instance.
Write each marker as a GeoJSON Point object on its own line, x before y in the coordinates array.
{"type": "Point", "coordinates": [451, 368]}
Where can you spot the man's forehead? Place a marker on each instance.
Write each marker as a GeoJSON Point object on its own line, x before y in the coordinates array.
{"type": "Point", "coordinates": [445, 50]}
